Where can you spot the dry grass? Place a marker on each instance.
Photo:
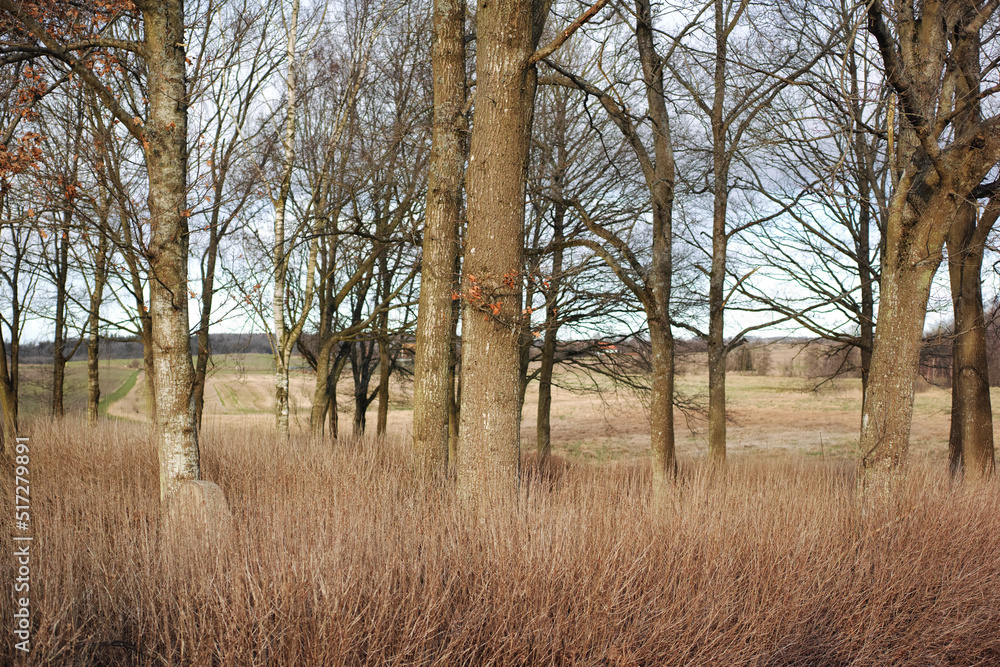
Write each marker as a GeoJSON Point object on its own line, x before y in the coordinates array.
{"type": "Point", "coordinates": [343, 557]}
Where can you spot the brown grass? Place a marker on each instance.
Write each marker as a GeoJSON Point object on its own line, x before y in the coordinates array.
{"type": "Point", "coordinates": [342, 557]}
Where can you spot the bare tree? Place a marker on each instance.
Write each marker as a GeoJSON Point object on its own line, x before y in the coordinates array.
{"type": "Point", "coordinates": [828, 176]}
{"type": "Point", "coordinates": [432, 385]}
{"type": "Point", "coordinates": [733, 72]}
{"type": "Point", "coordinates": [941, 161]}
{"type": "Point", "coordinates": [233, 62]}
{"type": "Point", "coordinates": [507, 34]}
{"type": "Point", "coordinates": [163, 136]}
{"type": "Point", "coordinates": [651, 284]}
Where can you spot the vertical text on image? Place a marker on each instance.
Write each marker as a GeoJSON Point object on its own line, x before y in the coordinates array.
{"type": "Point", "coordinates": [22, 544]}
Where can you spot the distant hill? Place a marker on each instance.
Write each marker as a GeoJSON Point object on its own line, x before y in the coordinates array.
{"type": "Point", "coordinates": [131, 348]}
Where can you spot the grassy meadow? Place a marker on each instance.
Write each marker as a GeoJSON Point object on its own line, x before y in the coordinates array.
{"type": "Point", "coordinates": [341, 555]}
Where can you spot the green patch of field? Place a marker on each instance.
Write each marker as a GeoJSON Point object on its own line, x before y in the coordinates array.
{"type": "Point", "coordinates": [36, 385]}
{"type": "Point", "coordinates": [121, 392]}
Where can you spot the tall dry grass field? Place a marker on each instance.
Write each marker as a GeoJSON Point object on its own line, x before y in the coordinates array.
{"type": "Point", "coordinates": [342, 557]}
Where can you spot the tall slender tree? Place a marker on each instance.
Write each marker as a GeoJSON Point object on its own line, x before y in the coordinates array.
{"type": "Point", "coordinates": [432, 387]}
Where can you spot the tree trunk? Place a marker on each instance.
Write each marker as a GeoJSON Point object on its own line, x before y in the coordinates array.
{"type": "Point", "coordinates": [94, 320]}
{"type": "Point", "coordinates": [59, 345]}
{"type": "Point", "coordinates": [62, 274]}
{"type": "Point", "coordinates": [431, 380]}
{"type": "Point", "coordinates": [866, 325]}
{"type": "Point", "coordinates": [932, 62]}
{"type": "Point", "coordinates": [148, 357]}
{"type": "Point", "coordinates": [331, 390]}
{"type": "Point", "coordinates": [321, 396]}
{"type": "Point", "coordinates": [205, 320]}
{"type": "Point", "coordinates": [166, 160]}
{"type": "Point", "coordinates": [281, 348]}
{"type": "Point", "coordinates": [543, 428]}
{"type": "Point", "coordinates": [281, 407]}
{"type": "Point", "coordinates": [454, 389]}
{"type": "Point", "coordinates": [970, 445]}
{"type": "Point", "coordinates": [717, 350]}
{"type": "Point", "coordinates": [915, 238]}
{"type": "Point", "coordinates": [660, 177]}
{"type": "Point", "coordinates": [507, 32]}
{"type": "Point", "coordinates": [384, 362]}
{"type": "Point", "coordinates": [8, 400]}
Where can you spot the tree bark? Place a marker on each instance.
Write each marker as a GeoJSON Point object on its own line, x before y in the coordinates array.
{"type": "Point", "coordinates": [8, 399]}
{"type": "Point", "coordinates": [205, 320]}
{"type": "Point", "coordinates": [717, 349]}
{"type": "Point", "coordinates": [94, 317]}
{"type": "Point", "coordinates": [166, 160]}
{"type": "Point", "coordinates": [321, 396]}
{"type": "Point", "coordinates": [660, 181]}
{"type": "Point", "coordinates": [507, 32]}
{"type": "Point", "coordinates": [281, 348]}
{"type": "Point", "coordinates": [59, 344]}
{"type": "Point", "coordinates": [384, 361]}
{"type": "Point", "coordinates": [543, 429]}
{"type": "Point", "coordinates": [970, 445]}
{"type": "Point", "coordinates": [936, 51]}
{"type": "Point", "coordinates": [432, 391]}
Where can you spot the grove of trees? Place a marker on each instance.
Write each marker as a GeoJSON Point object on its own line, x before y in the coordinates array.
{"type": "Point", "coordinates": [482, 183]}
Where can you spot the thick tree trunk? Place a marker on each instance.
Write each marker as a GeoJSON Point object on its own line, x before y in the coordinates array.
{"type": "Point", "coordinates": [970, 445]}
{"type": "Point", "coordinates": [507, 32]}
{"type": "Point", "coordinates": [885, 422]}
{"type": "Point", "coordinates": [945, 151]}
{"type": "Point", "coordinates": [910, 262]}
{"type": "Point", "coordinates": [166, 160]}
{"type": "Point", "coordinates": [431, 381]}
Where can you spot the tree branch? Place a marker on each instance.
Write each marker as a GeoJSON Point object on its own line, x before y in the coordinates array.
{"type": "Point", "coordinates": [551, 47]}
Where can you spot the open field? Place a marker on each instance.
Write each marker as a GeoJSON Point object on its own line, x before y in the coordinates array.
{"type": "Point", "coordinates": [769, 415]}
{"type": "Point", "coordinates": [341, 556]}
